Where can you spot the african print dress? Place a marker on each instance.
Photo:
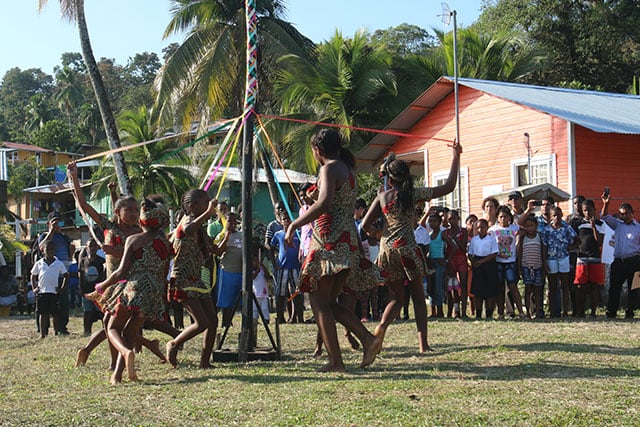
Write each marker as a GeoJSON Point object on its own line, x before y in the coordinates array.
{"type": "Point", "coordinates": [334, 246]}
{"type": "Point", "coordinates": [143, 292]}
{"type": "Point", "coordinates": [113, 236]}
{"type": "Point", "coordinates": [400, 257]}
{"type": "Point", "coordinates": [186, 281]}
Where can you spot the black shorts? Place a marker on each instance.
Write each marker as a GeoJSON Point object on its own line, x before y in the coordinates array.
{"type": "Point", "coordinates": [48, 304]}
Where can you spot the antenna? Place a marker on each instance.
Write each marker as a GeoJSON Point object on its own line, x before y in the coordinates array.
{"type": "Point", "coordinates": [446, 14]}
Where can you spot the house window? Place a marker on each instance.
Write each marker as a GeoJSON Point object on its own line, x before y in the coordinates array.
{"type": "Point", "coordinates": [452, 199]}
{"type": "Point", "coordinates": [543, 170]}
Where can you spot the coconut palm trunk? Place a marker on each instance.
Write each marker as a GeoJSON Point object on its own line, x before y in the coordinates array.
{"type": "Point", "coordinates": [74, 11]}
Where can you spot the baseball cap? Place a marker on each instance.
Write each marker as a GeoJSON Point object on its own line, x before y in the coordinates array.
{"type": "Point", "coordinates": [515, 195]}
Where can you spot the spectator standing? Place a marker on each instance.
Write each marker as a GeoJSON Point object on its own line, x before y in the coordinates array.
{"type": "Point", "coordinates": [626, 255]}
{"type": "Point", "coordinates": [62, 251]}
{"type": "Point", "coordinates": [589, 275]}
{"type": "Point", "coordinates": [91, 271]}
{"type": "Point", "coordinates": [49, 278]}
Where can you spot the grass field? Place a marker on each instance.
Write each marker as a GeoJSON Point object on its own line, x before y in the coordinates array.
{"type": "Point", "coordinates": [579, 373]}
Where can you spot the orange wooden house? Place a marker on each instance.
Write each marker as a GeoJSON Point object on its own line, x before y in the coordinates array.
{"type": "Point", "coordinates": [579, 140]}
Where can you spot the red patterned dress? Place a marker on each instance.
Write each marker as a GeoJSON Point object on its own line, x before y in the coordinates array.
{"type": "Point", "coordinates": [143, 292]}
{"type": "Point", "coordinates": [113, 236]}
{"type": "Point", "coordinates": [186, 281]}
{"type": "Point", "coordinates": [400, 257]}
{"type": "Point", "coordinates": [334, 246]}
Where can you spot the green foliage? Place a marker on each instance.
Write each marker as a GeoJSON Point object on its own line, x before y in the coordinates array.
{"type": "Point", "coordinates": [54, 135]}
{"type": "Point", "coordinates": [350, 83]}
{"type": "Point", "coordinates": [592, 42]}
{"type": "Point", "coordinates": [404, 40]}
{"type": "Point", "coordinates": [23, 175]}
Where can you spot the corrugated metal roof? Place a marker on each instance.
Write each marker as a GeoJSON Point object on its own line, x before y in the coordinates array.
{"type": "Point", "coordinates": [599, 111]}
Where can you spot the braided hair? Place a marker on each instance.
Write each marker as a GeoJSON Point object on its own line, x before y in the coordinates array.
{"type": "Point", "coordinates": [189, 197]}
{"type": "Point", "coordinates": [330, 143]}
{"type": "Point", "coordinates": [398, 171]}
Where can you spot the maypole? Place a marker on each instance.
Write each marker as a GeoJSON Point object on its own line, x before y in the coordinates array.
{"type": "Point", "coordinates": [251, 91]}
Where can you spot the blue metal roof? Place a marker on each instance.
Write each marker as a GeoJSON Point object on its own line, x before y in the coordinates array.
{"type": "Point", "coordinates": [599, 111]}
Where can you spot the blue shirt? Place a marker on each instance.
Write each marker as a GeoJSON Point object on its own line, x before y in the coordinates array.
{"type": "Point", "coordinates": [558, 240]}
{"type": "Point", "coordinates": [287, 255]}
{"type": "Point", "coordinates": [627, 237]}
{"type": "Point", "coordinates": [61, 244]}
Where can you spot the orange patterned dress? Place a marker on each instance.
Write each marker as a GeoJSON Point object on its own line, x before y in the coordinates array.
{"type": "Point", "coordinates": [400, 257]}
{"type": "Point", "coordinates": [143, 292]}
{"type": "Point", "coordinates": [186, 281]}
{"type": "Point", "coordinates": [334, 246]}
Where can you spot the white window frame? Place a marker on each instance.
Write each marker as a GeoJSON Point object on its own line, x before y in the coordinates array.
{"type": "Point", "coordinates": [549, 160]}
{"type": "Point", "coordinates": [449, 199]}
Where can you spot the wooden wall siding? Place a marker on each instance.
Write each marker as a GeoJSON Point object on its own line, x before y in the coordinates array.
{"type": "Point", "coordinates": [492, 134]}
{"type": "Point", "coordinates": [608, 159]}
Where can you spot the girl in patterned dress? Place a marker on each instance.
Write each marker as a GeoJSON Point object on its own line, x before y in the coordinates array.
{"type": "Point", "coordinates": [192, 247]}
{"type": "Point", "coordinates": [144, 265]}
{"type": "Point", "coordinates": [334, 250]}
{"type": "Point", "coordinates": [400, 258]}
{"type": "Point", "coordinates": [124, 223]}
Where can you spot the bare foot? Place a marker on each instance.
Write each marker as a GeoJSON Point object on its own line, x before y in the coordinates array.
{"type": "Point", "coordinates": [172, 354]}
{"type": "Point", "coordinates": [154, 346]}
{"type": "Point", "coordinates": [371, 351]}
{"type": "Point", "coordinates": [205, 365]}
{"type": "Point", "coordinates": [81, 357]}
{"type": "Point", "coordinates": [330, 367]}
{"type": "Point", "coordinates": [116, 378]}
{"type": "Point", "coordinates": [130, 365]}
{"type": "Point", "coordinates": [352, 341]}
{"type": "Point", "coordinates": [318, 351]}
{"type": "Point", "coordinates": [426, 349]}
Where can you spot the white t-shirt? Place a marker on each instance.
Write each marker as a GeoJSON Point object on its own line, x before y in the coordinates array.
{"type": "Point", "coordinates": [483, 247]}
{"type": "Point", "coordinates": [422, 235]}
{"type": "Point", "coordinates": [260, 288]}
{"type": "Point", "coordinates": [506, 238]}
{"type": "Point", "coordinates": [48, 275]}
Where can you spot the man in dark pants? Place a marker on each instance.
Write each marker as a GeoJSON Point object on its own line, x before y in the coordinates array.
{"type": "Point", "coordinates": [63, 251]}
{"type": "Point", "coordinates": [626, 254]}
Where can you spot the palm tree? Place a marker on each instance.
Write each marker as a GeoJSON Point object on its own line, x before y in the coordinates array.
{"type": "Point", "coordinates": [351, 83]}
{"type": "Point", "coordinates": [68, 92]}
{"type": "Point", "coordinates": [204, 77]}
{"type": "Point", "coordinates": [73, 10]}
{"type": "Point", "coordinates": [37, 111]}
{"type": "Point", "coordinates": [155, 169]}
{"type": "Point", "coordinates": [500, 57]}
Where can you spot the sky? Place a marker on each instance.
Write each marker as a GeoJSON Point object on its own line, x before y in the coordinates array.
{"type": "Point", "coordinates": [121, 28]}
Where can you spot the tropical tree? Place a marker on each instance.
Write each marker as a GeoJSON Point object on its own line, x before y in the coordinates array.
{"type": "Point", "coordinates": [156, 168]}
{"type": "Point", "coordinates": [73, 10]}
{"type": "Point", "coordinates": [68, 91]}
{"type": "Point", "coordinates": [351, 83]}
{"type": "Point", "coordinates": [500, 57]}
{"type": "Point", "coordinates": [204, 77]}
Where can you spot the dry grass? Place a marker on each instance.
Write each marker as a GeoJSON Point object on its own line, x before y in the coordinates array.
{"type": "Point", "coordinates": [579, 373]}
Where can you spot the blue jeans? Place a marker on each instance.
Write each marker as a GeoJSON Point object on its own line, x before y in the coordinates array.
{"type": "Point", "coordinates": [437, 284]}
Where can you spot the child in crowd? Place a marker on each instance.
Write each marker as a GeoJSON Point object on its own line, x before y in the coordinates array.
{"type": "Point", "coordinates": [506, 232]}
{"type": "Point", "coordinates": [470, 225]}
{"type": "Point", "coordinates": [91, 271]}
{"type": "Point", "coordinates": [558, 239]}
{"type": "Point", "coordinates": [589, 278]}
{"type": "Point", "coordinates": [48, 277]}
{"type": "Point", "coordinates": [230, 271]}
{"type": "Point", "coordinates": [456, 266]}
{"type": "Point", "coordinates": [261, 292]}
{"type": "Point", "coordinates": [288, 271]}
{"type": "Point", "coordinates": [438, 263]}
{"type": "Point", "coordinates": [483, 251]}
{"type": "Point", "coordinates": [532, 266]}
